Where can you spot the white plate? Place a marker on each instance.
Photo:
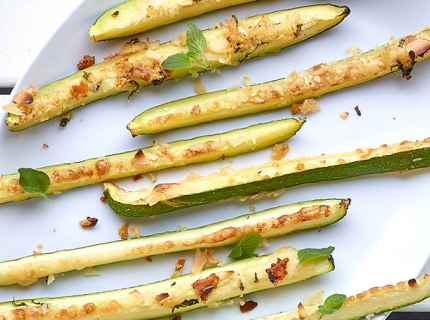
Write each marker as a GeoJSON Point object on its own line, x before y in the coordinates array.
{"type": "Point", "coordinates": [382, 240]}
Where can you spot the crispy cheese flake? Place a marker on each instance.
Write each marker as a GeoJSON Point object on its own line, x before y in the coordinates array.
{"type": "Point", "coordinates": [50, 279]}
{"type": "Point", "coordinates": [277, 271]}
{"type": "Point", "coordinates": [202, 260]}
{"type": "Point", "coordinates": [139, 159]}
{"type": "Point", "coordinates": [179, 267]}
{"type": "Point", "coordinates": [135, 232]}
{"type": "Point", "coordinates": [91, 272]}
{"type": "Point", "coordinates": [13, 108]}
{"type": "Point", "coordinates": [23, 97]}
{"type": "Point", "coordinates": [204, 287]}
{"type": "Point", "coordinates": [307, 106]}
{"type": "Point", "coordinates": [247, 80]}
{"type": "Point", "coordinates": [199, 87]}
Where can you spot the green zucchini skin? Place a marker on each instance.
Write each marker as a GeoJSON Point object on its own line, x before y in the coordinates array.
{"type": "Point", "coordinates": [124, 20]}
{"type": "Point", "coordinates": [160, 156]}
{"type": "Point", "coordinates": [269, 223]}
{"type": "Point", "coordinates": [314, 82]}
{"type": "Point", "coordinates": [235, 279]}
{"type": "Point", "coordinates": [139, 63]}
{"type": "Point", "coordinates": [374, 301]}
{"type": "Point", "coordinates": [269, 177]}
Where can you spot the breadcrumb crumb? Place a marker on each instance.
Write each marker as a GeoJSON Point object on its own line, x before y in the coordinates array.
{"type": "Point", "coordinates": [279, 151]}
{"type": "Point", "coordinates": [344, 115]}
{"type": "Point", "coordinates": [307, 106]}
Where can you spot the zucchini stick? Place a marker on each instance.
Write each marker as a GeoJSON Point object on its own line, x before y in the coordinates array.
{"type": "Point", "coordinates": [269, 178]}
{"type": "Point", "coordinates": [140, 63]}
{"type": "Point", "coordinates": [176, 295]}
{"type": "Point", "coordinates": [133, 16]}
{"type": "Point", "coordinates": [157, 157]}
{"type": "Point", "coordinates": [370, 302]}
{"type": "Point", "coordinates": [268, 223]}
{"type": "Point", "coordinates": [398, 54]}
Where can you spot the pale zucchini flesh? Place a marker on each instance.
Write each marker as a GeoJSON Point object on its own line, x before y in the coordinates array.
{"type": "Point", "coordinates": [314, 82]}
{"type": "Point", "coordinates": [235, 280]}
{"type": "Point", "coordinates": [269, 223]}
{"type": "Point", "coordinates": [271, 177]}
{"type": "Point", "coordinates": [157, 157]}
{"type": "Point", "coordinates": [134, 16]}
{"type": "Point", "coordinates": [374, 301]}
{"type": "Point", "coordinates": [139, 63]}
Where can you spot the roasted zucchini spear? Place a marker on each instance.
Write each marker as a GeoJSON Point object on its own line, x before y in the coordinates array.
{"type": "Point", "coordinates": [157, 157]}
{"type": "Point", "coordinates": [370, 302]}
{"type": "Point", "coordinates": [268, 223]}
{"type": "Point", "coordinates": [271, 177]}
{"type": "Point", "coordinates": [139, 63]}
{"type": "Point", "coordinates": [398, 54]}
{"type": "Point", "coordinates": [177, 295]}
{"type": "Point", "coordinates": [134, 16]}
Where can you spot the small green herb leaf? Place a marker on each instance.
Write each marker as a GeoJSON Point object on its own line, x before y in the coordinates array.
{"type": "Point", "coordinates": [34, 181]}
{"type": "Point", "coordinates": [309, 253]}
{"type": "Point", "coordinates": [246, 246]}
{"type": "Point", "coordinates": [332, 303]}
{"type": "Point", "coordinates": [196, 41]}
{"type": "Point", "coordinates": [199, 58]}
{"type": "Point", "coordinates": [177, 61]}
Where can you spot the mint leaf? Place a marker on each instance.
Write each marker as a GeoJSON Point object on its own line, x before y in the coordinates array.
{"type": "Point", "coordinates": [200, 58]}
{"type": "Point", "coordinates": [177, 61]}
{"type": "Point", "coordinates": [309, 253]}
{"type": "Point", "coordinates": [196, 41]}
{"type": "Point", "coordinates": [332, 303]}
{"type": "Point", "coordinates": [34, 181]}
{"type": "Point", "coordinates": [246, 246]}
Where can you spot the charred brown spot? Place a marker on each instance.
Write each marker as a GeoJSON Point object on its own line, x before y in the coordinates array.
{"type": "Point", "coordinates": [185, 303]}
{"type": "Point", "coordinates": [201, 148]}
{"type": "Point", "coordinates": [137, 177]}
{"type": "Point", "coordinates": [162, 187]}
{"type": "Point", "coordinates": [115, 14]}
{"type": "Point", "coordinates": [248, 306]}
{"type": "Point", "coordinates": [406, 69]}
{"type": "Point", "coordinates": [204, 287]}
{"type": "Point", "coordinates": [241, 286]}
{"type": "Point", "coordinates": [87, 309]}
{"type": "Point", "coordinates": [161, 297]}
{"type": "Point", "coordinates": [19, 314]}
{"type": "Point", "coordinates": [277, 271]}
{"type": "Point", "coordinates": [298, 30]}
{"type": "Point", "coordinates": [102, 166]}
{"type": "Point", "coordinates": [412, 283]}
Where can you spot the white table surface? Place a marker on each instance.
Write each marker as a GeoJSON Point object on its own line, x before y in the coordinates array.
{"type": "Point", "coordinates": [22, 35]}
